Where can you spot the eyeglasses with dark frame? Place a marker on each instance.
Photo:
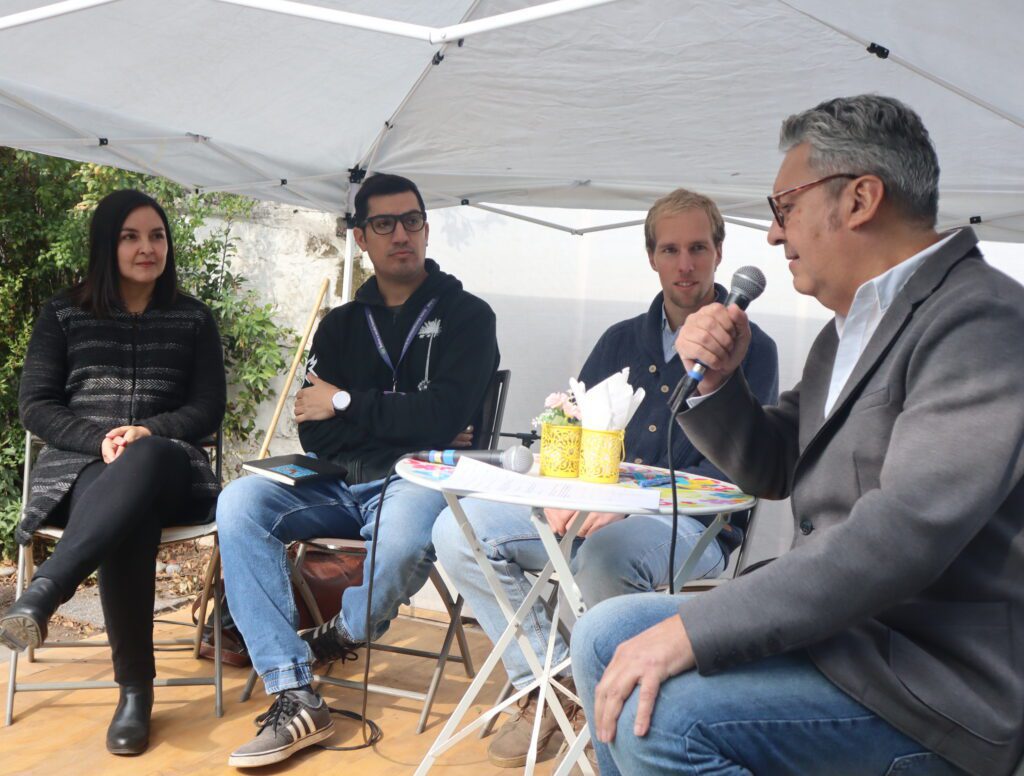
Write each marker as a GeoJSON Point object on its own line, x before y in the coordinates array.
{"type": "Point", "coordinates": [773, 199]}
{"type": "Point", "coordinates": [384, 224]}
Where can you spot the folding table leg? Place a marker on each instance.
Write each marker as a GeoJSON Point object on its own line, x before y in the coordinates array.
{"type": "Point", "coordinates": [574, 756]}
{"type": "Point", "coordinates": [531, 753]}
{"type": "Point", "coordinates": [448, 735]}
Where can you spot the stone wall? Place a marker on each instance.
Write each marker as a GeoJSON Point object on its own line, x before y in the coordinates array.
{"type": "Point", "coordinates": [285, 253]}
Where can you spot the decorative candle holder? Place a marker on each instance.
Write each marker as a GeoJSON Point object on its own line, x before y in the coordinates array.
{"type": "Point", "coordinates": [600, 455]}
{"type": "Point", "coordinates": [559, 450]}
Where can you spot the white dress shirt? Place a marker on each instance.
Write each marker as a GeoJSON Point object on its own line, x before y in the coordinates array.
{"type": "Point", "coordinates": [870, 302]}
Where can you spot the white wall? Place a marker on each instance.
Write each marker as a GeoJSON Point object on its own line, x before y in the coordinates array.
{"type": "Point", "coordinates": [554, 294]}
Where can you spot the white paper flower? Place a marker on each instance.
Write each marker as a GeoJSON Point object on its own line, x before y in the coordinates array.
{"type": "Point", "coordinates": [430, 328]}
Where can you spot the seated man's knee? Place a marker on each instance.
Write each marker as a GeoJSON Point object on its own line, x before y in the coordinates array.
{"type": "Point", "coordinates": [604, 553]}
{"type": "Point", "coordinates": [605, 568]}
{"type": "Point", "coordinates": [446, 535]}
{"type": "Point", "coordinates": [238, 503]}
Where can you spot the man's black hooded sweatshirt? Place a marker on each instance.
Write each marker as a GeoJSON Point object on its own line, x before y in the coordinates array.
{"type": "Point", "coordinates": [437, 388]}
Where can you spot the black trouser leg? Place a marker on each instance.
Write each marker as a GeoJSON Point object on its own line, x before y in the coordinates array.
{"type": "Point", "coordinates": [127, 590]}
{"type": "Point", "coordinates": [114, 519]}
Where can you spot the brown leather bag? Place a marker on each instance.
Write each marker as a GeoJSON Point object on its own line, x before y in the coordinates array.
{"type": "Point", "coordinates": [327, 575]}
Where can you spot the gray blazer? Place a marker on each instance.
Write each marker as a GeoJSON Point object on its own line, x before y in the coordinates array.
{"type": "Point", "coordinates": [905, 582]}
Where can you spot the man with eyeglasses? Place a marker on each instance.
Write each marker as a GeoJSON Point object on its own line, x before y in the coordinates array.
{"type": "Point", "coordinates": [888, 639]}
{"type": "Point", "coordinates": [403, 367]}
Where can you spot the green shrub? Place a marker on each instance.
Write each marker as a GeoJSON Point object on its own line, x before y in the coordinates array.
{"type": "Point", "coordinates": [45, 207]}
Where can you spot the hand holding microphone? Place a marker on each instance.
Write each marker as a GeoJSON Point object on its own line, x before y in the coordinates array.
{"type": "Point", "coordinates": [713, 340]}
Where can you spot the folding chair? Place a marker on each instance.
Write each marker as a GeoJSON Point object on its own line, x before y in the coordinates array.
{"type": "Point", "coordinates": [737, 564]}
{"type": "Point", "coordinates": [168, 536]}
{"type": "Point", "coordinates": [493, 410]}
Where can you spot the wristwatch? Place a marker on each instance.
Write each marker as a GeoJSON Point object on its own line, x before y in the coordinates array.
{"type": "Point", "coordinates": [341, 400]}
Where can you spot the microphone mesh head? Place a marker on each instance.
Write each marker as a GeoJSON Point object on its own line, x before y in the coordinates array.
{"type": "Point", "coordinates": [749, 281]}
{"type": "Point", "coordinates": [517, 459]}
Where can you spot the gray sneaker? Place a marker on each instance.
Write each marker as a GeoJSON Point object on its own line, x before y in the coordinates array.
{"type": "Point", "coordinates": [286, 727]}
{"type": "Point", "coordinates": [328, 643]}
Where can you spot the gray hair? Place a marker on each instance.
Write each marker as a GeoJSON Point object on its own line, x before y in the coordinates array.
{"type": "Point", "coordinates": [872, 135]}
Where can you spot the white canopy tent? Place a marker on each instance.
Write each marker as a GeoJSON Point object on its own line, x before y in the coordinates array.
{"type": "Point", "coordinates": [585, 104]}
{"type": "Point", "coordinates": [573, 104]}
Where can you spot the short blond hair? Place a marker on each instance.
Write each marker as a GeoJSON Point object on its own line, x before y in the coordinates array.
{"type": "Point", "coordinates": [677, 202]}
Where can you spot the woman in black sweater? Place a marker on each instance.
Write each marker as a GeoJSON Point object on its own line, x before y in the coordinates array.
{"type": "Point", "coordinates": [123, 376]}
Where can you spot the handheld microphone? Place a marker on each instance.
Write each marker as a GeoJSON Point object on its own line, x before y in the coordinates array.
{"type": "Point", "coordinates": [747, 285]}
{"type": "Point", "coordinates": [516, 458]}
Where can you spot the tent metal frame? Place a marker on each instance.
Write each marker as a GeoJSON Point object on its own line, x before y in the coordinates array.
{"type": "Point", "coordinates": [445, 36]}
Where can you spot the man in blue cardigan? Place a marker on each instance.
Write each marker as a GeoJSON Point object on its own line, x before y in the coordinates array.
{"type": "Point", "coordinates": [684, 232]}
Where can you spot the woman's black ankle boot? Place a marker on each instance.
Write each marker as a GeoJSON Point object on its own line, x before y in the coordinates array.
{"type": "Point", "coordinates": [129, 729]}
{"type": "Point", "coordinates": [24, 623]}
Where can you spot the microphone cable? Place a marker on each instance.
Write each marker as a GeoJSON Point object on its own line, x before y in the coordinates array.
{"type": "Point", "coordinates": [372, 732]}
{"type": "Point", "coordinates": [675, 504]}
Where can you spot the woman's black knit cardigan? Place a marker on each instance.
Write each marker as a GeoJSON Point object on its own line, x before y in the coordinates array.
{"type": "Point", "coordinates": [162, 369]}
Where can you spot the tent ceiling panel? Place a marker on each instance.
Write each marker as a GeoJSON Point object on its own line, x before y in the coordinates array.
{"type": "Point", "coordinates": [944, 38]}
{"type": "Point", "coordinates": [602, 108]}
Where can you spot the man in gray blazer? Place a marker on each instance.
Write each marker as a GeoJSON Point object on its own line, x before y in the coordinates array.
{"type": "Point", "coordinates": [890, 639]}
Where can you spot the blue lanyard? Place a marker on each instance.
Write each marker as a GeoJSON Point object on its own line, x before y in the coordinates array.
{"type": "Point", "coordinates": [378, 341]}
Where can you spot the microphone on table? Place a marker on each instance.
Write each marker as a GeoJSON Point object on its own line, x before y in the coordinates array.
{"type": "Point", "coordinates": [747, 285]}
{"type": "Point", "coordinates": [516, 458]}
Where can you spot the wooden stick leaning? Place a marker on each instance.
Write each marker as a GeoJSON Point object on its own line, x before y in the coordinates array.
{"type": "Point", "coordinates": [265, 449]}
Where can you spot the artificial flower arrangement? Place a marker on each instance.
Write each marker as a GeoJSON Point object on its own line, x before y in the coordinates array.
{"type": "Point", "coordinates": [559, 410]}
{"type": "Point", "coordinates": [583, 431]}
{"type": "Point", "coordinates": [560, 430]}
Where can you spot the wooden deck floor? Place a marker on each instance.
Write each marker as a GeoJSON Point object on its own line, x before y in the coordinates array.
{"type": "Point", "coordinates": [63, 732]}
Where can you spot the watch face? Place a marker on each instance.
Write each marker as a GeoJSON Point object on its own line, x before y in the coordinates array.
{"type": "Point", "coordinates": [341, 400]}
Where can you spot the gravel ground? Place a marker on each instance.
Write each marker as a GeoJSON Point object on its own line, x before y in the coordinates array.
{"type": "Point", "coordinates": [179, 576]}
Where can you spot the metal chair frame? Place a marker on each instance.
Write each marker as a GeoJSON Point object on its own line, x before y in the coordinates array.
{"type": "Point", "coordinates": [494, 409]}
{"type": "Point", "coordinates": [169, 535]}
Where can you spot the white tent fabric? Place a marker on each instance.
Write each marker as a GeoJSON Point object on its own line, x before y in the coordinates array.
{"type": "Point", "coordinates": [606, 107]}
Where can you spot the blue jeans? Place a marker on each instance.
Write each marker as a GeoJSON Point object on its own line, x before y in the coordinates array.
{"type": "Point", "coordinates": [257, 518]}
{"type": "Point", "coordinates": [779, 715]}
{"type": "Point", "coordinates": [629, 556]}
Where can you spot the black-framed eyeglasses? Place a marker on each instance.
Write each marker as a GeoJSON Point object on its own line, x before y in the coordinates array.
{"type": "Point", "coordinates": [773, 199]}
{"type": "Point", "coordinates": [412, 221]}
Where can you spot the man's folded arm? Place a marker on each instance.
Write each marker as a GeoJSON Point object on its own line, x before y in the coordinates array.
{"type": "Point", "coordinates": [460, 372]}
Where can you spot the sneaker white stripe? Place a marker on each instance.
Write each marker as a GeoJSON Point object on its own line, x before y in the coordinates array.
{"type": "Point", "coordinates": [308, 720]}
{"type": "Point", "coordinates": [295, 729]}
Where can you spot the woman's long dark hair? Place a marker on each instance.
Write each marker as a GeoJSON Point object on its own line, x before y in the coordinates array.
{"type": "Point", "coordinates": [100, 292]}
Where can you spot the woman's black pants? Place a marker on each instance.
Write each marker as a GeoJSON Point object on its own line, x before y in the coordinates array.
{"type": "Point", "coordinates": [112, 521]}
